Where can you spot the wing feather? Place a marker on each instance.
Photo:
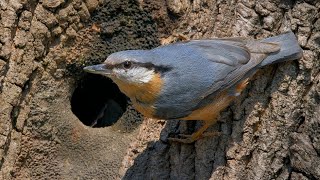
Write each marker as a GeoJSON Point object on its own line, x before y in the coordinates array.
{"type": "Point", "coordinates": [220, 51]}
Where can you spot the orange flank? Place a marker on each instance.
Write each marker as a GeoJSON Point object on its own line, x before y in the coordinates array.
{"type": "Point", "coordinates": [142, 95]}
{"type": "Point", "coordinates": [212, 110]}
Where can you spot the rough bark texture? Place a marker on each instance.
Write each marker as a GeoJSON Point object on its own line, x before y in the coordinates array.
{"type": "Point", "coordinates": [271, 132]}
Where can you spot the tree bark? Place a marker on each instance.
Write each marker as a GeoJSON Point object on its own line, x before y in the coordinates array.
{"type": "Point", "coordinates": [272, 131]}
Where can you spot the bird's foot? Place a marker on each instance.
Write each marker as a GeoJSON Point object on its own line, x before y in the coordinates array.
{"type": "Point", "coordinates": [187, 139]}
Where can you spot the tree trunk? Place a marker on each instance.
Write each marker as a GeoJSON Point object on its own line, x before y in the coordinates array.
{"type": "Point", "coordinates": [49, 107]}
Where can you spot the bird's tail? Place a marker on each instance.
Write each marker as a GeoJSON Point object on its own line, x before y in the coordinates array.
{"type": "Point", "coordinates": [289, 49]}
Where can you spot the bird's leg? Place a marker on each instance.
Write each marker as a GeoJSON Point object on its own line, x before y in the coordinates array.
{"type": "Point", "coordinates": [197, 135]}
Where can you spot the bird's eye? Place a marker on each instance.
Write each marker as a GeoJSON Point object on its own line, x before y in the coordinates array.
{"type": "Point", "coordinates": [127, 64]}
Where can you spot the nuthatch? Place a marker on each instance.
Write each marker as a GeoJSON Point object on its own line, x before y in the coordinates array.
{"type": "Point", "coordinates": [196, 79]}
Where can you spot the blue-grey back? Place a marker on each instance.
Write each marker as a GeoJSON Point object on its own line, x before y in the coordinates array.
{"type": "Point", "coordinates": [201, 69]}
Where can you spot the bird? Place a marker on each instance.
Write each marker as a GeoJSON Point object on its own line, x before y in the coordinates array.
{"type": "Point", "coordinates": [193, 79]}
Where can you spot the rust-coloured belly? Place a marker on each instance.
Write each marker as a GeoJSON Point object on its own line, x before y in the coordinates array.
{"type": "Point", "coordinates": [212, 110]}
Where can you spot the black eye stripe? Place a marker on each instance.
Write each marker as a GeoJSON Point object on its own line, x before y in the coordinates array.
{"type": "Point", "coordinates": [157, 68]}
{"type": "Point", "coordinates": [162, 69]}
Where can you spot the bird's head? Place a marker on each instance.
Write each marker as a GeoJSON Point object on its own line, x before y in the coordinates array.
{"type": "Point", "coordinates": [132, 66]}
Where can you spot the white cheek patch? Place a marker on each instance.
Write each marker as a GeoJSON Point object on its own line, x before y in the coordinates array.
{"type": "Point", "coordinates": [135, 75]}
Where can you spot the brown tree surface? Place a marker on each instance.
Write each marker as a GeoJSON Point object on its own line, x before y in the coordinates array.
{"type": "Point", "coordinates": [271, 132]}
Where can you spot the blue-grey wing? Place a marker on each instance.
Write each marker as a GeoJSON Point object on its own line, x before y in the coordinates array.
{"type": "Point", "coordinates": [245, 55]}
{"type": "Point", "coordinates": [231, 53]}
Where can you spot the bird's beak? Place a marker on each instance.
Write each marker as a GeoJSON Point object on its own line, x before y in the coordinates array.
{"type": "Point", "coordinates": [98, 69]}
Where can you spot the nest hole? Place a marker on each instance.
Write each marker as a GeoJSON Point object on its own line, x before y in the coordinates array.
{"type": "Point", "coordinates": [97, 101]}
